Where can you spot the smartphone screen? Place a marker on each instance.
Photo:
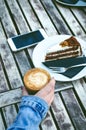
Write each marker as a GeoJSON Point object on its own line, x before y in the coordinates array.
{"type": "Point", "coordinates": [27, 39]}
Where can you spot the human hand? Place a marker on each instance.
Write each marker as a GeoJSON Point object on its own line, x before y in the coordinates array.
{"type": "Point", "coordinates": [46, 93]}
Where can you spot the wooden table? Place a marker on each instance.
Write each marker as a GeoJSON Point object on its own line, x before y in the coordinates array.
{"type": "Point", "coordinates": [68, 110]}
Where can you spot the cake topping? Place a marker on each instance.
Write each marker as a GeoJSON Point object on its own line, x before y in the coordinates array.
{"type": "Point", "coordinates": [70, 42]}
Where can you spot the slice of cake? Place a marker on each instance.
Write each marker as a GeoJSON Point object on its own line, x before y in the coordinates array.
{"type": "Point", "coordinates": [66, 49]}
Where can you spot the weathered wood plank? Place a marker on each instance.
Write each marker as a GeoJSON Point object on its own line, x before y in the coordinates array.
{"type": "Point", "coordinates": [81, 17]}
{"type": "Point", "coordinates": [84, 9]}
{"type": "Point", "coordinates": [56, 17]}
{"type": "Point", "coordinates": [83, 83]}
{"type": "Point", "coordinates": [3, 81]}
{"type": "Point", "coordinates": [71, 21]}
{"type": "Point", "coordinates": [10, 66]}
{"type": "Point", "coordinates": [3, 14]}
{"type": "Point", "coordinates": [29, 14]}
{"type": "Point", "coordinates": [62, 86]}
{"type": "Point", "coordinates": [2, 3]}
{"type": "Point", "coordinates": [10, 114]}
{"type": "Point", "coordinates": [48, 123]}
{"type": "Point", "coordinates": [80, 92]}
{"type": "Point", "coordinates": [60, 114]}
{"type": "Point", "coordinates": [74, 109]}
{"type": "Point", "coordinates": [9, 63]}
{"type": "Point", "coordinates": [10, 97]}
{"type": "Point", "coordinates": [23, 62]}
{"type": "Point", "coordinates": [17, 15]}
{"type": "Point", "coordinates": [2, 127]}
{"type": "Point", "coordinates": [43, 17]}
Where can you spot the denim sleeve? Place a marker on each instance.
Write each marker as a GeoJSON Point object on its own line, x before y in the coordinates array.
{"type": "Point", "coordinates": [31, 112]}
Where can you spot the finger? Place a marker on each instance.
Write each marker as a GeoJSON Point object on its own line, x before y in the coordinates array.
{"type": "Point", "coordinates": [49, 98]}
{"type": "Point", "coordinates": [24, 91]}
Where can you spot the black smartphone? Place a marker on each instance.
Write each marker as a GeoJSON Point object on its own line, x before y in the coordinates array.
{"type": "Point", "coordinates": [26, 40]}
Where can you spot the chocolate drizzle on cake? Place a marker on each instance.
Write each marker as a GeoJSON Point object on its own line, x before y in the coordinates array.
{"type": "Point", "coordinates": [68, 48]}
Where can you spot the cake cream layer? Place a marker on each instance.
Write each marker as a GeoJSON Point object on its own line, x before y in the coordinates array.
{"type": "Point", "coordinates": [57, 48]}
{"type": "Point", "coordinates": [71, 52]}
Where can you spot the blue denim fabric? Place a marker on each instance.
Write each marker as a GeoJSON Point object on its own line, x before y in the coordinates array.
{"type": "Point", "coordinates": [31, 112]}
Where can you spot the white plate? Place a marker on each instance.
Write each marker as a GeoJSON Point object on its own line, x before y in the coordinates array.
{"type": "Point", "coordinates": [41, 49]}
{"type": "Point", "coordinates": [80, 3]}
